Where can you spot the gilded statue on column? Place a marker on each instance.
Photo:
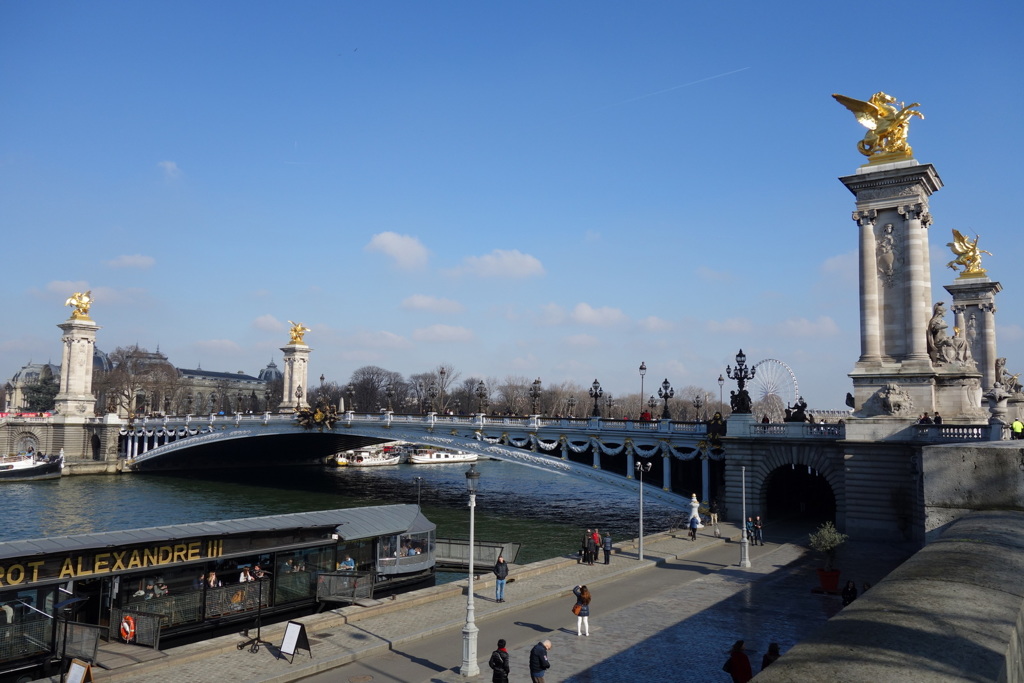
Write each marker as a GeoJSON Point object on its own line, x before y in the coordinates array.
{"type": "Point", "coordinates": [297, 332]}
{"type": "Point", "coordinates": [81, 301]}
{"type": "Point", "coordinates": [967, 255]}
{"type": "Point", "coordinates": [887, 124]}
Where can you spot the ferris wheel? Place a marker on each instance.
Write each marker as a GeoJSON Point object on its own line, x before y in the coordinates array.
{"type": "Point", "coordinates": [774, 383]}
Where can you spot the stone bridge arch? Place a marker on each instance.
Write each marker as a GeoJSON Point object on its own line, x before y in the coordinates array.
{"type": "Point", "coordinates": [799, 479]}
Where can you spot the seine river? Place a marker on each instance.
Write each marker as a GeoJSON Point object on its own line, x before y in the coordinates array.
{"type": "Point", "coordinates": [544, 512]}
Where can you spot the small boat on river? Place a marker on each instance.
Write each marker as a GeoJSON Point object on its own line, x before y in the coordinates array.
{"type": "Point", "coordinates": [30, 467]}
{"type": "Point", "coordinates": [368, 457]}
{"type": "Point", "coordinates": [431, 456]}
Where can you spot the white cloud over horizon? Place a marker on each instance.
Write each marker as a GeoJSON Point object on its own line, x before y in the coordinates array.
{"type": "Point", "coordinates": [406, 251]}
{"type": "Point", "coordinates": [433, 304]}
{"type": "Point", "coordinates": [585, 314]}
{"type": "Point", "coordinates": [443, 333]}
{"type": "Point", "coordinates": [509, 263]}
{"type": "Point", "coordinates": [268, 323]}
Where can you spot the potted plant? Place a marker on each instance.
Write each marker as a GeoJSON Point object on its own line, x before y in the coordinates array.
{"type": "Point", "coordinates": [826, 540]}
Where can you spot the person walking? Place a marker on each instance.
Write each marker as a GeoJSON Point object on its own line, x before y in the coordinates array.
{"type": "Point", "coordinates": [758, 530]}
{"type": "Point", "coordinates": [582, 610]}
{"type": "Point", "coordinates": [713, 510]}
{"type": "Point", "coordinates": [499, 663]}
{"type": "Point", "coordinates": [607, 547]}
{"type": "Point", "coordinates": [770, 656]}
{"type": "Point", "coordinates": [500, 573]}
{"type": "Point", "coordinates": [539, 662]}
{"type": "Point", "coordinates": [750, 529]}
{"type": "Point", "coordinates": [693, 528]}
{"type": "Point", "coordinates": [738, 664]}
{"type": "Point", "coordinates": [1018, 428]}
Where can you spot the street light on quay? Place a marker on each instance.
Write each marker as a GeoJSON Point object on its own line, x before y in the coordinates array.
{"type": "Point", "coordinates": [666, 392]}
{"type": "Point", "coordinates": [470, 630]}
{"type": "Point", "coordinates": [441, 373]}
{"type": "Point", "coordinates": [481, 393]}
{"type": "Point", "coordinates": [721, 383]}
{"type": "Point", "coordinates": [643, 371]}
{"type": "Point", "coordinates": [596, 392]}
{"type": "Point", "coordinates": [571, 403]}
{"type": "Point", "coordinates": [652, 403]}
{"type": "Point", "coordinates": [642, 467]}
{"type": "Point", "coordinates": [608, 403]}
{"type": "Point", "coordinates": [432, 395]}
{"type": "Point", "coordinates": [534, 393]}
{"type": "Point", "coordinates": [698, 403]}
{"type": "Point", "coordinates": [742, 374]}
{"type": "Point", "coordinates": [350, 391]}
{"type": "Point", "coordinates": [419, 483]}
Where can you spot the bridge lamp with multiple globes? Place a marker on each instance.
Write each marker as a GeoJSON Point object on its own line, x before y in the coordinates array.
{"type": "Point", "coordinates": [643, 371]}
{"type": "Point", "coordinates": [571, 404]}
{"type": "Point", "coordinates": [652, 403]}
{"type": "Point", "coordinates": [596, 392]}
{"type": "Point", "coordinates": [432, 395]}
{"type": "Point", "coordinates": [481, 394]}
{"type": "Point", "coordinates": [666, 392]}
{"type": "Point", "coordinates": [470, 630]}
{"type": "Point", "coordinates": [534, 392]}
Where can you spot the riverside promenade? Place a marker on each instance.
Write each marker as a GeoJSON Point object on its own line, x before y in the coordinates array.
{"type": "Point", "coordinates": [676, 611]}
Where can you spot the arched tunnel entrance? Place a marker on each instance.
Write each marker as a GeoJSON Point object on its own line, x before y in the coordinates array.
{"type": "Point", "coordinates": [798, 492]}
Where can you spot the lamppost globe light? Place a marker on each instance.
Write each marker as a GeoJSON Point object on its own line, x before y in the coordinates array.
{"type": "Point", "coordinates": [596, 392]}
{"type": "Point", "coordinates": [470, 630]}
{"type": "Point", "coordinates": [643, 371]}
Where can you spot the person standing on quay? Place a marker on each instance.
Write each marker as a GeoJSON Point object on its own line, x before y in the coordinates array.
{"type": "Point", "coordinates": [499, 663]}
{"type": "Point", "coordinates": [583, 548]}
{"type": "Point", "coordinates": [591, 549]}
{"type": "Point", "coordinates": [583, 613]}
{"type": "Point", "coordinates": [693, 528]}
{"type": "Point", "coordinates": [539, 661]}
{"type": "Point", "coordinates": [738, 664]}
{"type": "Point", "coordinates": [770, 656]}
{"type": "Point", "coordinates": [501, 573]}
{"type": "Point", "coordinates": [607, 547]}
{"type": "Point", "coordinates": [758, 530]}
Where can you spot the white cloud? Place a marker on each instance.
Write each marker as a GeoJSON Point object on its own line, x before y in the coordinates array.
{"type": "Point", "coordinates": [424, 302]}
{"type": "Point", "coordinates": [583, 341]}
{"type": "Point", "coordinates": [824, 326]}
{"type": "Point", "coordinates": [443, 333]}
{"type": "Point", "coordinates": [655, 324]}
{"type": "Point", "coordinates": [406, 251]}
{"type": "Point", "coordinates": [501, 263]}
{"type": "Point", "coordinates": [379, 340]}
{"type": "Point", "coordinates": [170, 169]}
{"type": "Point", "coordinates": [268, 323]}
{"type": "Point", "coordinates": [132, 261]}
{"type": "Point", "coordinates": [585, 314]}
{"type": "Point", "coordinates": [731, 326]}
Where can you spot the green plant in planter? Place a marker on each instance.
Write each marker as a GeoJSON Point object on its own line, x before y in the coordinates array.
{"type": "Point", "coordinates": [826, 540]}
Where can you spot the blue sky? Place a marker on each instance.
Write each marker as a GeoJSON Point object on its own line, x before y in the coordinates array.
{"type": "Point", "coordinates": [559, 190]}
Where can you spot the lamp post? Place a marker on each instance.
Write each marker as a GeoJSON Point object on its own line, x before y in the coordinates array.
{"type": "Point", "coordinates": [608, 403]}
{"type": "Point", "coordinates": [350, 391]}
{"type": "Point", "coordinates": [643, 371]}
{"type": "Point", "coordinates": [535, 394]}
{"type": "Point", "coordinates": [389, 392]}
{"type": "Point", "coordinates": [571, 403]}
{"type": "Point", "coordinates": [432, 395]}
{"type": "Point", "coordinates": [744, 543]}
{"type": "Point", "coordinates": [266, 400]}
{"type": "Point", "coordinates": [721, 383]}
{"type": "Point", "coordinates": [419, 483]}
{"type": "Point", "coordinates": [698, 403]}
{"type": "Point", "coordinates": [666, 392]}
{"type": "Point", "coordinates": [469, 631]}
{"type": "Point", "coordinates": [742, 374]}
{"type": "Point", "coordinates": [481, 393]}
{"type": "Point", "coordinates": [596, 392]}
{"type": "Point", "coordinates": [298, 397]}
{"type": "Point", "coordinates": [642, 467]}
{"type": "Point", "coordinates": [441, 373]}
{"type": "Point", "coordinates": [652, 403]}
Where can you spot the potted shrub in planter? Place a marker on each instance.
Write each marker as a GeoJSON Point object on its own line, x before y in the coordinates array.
{"type": "Point", "coordinates": [826, 540]}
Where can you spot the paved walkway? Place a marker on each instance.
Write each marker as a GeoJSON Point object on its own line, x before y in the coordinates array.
{"type": "Point", "coordinates": [686, 628]}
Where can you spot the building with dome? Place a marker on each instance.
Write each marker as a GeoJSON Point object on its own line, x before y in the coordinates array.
{"type": "Point", "coordinates": [15, 399]}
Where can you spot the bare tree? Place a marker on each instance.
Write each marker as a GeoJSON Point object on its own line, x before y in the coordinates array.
{"type": "Point", "coordinates": [139, 381]}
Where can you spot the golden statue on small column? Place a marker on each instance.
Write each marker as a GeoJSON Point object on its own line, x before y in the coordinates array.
{"type": "Point", "coordinates": [81, 301]}
{"type": "Point", "coordinates": [887, 124]}
{"type": "Point", "coordinates": [297, 332]}
{"type": "Point", "coordinates": [967, 255]}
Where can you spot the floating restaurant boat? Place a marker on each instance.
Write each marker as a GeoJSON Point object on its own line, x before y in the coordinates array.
{"type": "Point", "coordinates": [28, 467]}
{"type": "Point", "coordinates": [369, 458]}
{"type": "Point", "coordinates": [142, 586]}
{"type": "Point", "coordinates": [430, 456]}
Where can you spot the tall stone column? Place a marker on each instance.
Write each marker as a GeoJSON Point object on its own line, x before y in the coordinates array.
{"type": "Point", "coordinates": [296, 384]}
{"type": "Point", "coordinates": [917, 284]}
{"type": "Point", "coordinates": [869, 318]}
{"type": "Point", "coordinates": [75, 399]}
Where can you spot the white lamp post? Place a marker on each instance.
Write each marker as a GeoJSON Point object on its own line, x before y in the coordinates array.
{"type": "Point", "coordinates": [642, 467]}
{"type": "Point", "coordinates": [469, 631]}
{"type": "Point", "coordinates": [744, 544]}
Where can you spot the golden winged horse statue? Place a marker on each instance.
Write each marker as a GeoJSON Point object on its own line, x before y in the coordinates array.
{"type": "Point", "coordinates": [887, 123]}
{"type": "Point", "coordinates": [967, 255]}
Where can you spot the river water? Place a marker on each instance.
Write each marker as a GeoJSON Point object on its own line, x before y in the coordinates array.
{"type": "Point", "coordinates": [545, 512]}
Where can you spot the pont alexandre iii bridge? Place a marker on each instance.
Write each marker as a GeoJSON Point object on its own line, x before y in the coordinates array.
{"type": "Point", "coordinates": [869, 487]}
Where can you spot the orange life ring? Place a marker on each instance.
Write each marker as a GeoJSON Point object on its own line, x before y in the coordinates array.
{"type": "Point", "coordinates": [128, 628]}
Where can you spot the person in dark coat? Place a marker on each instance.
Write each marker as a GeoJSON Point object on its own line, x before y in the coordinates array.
{"type": "Point", "coordinates": [607, 547]}
{"type": "Point", "coordinates": [739, 664]}
{"type": "Point", "coordinates": [770, 656]}
{"type": "Point", "coordinates": [539, 663]}
{"type": "Point", "coordinates": [499, 664]}
{"type": "Point", "coordinates": [591, 549]}
{"type": "Point", "coordinates": [501, 573]}
{"type": "Point", "coordinates": [849, 593]}
{"type": "Point", "coordinates": [583, 617]}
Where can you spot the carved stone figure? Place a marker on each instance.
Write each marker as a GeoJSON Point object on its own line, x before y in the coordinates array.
{"type": "Point", "coordinates": [81, 302]}
{"type": "Point", "coordinates": [967, 255]}
{"type": "Point", "coordinates": [1011, 382]}
{"type": "Point", "coordinates": [297, 332]}
{"type": "Point", "coordinates": [885, 253]}
{"type": "Point", "coordinates": [887, 123]}
{"type": "Point", "coordinates": [740, 402]}
{"type": "Point", "coordinates": [957, 350]}
{"type": "Point", "coordinates": [896, 400]}
{"type": "Point", "coordinates": [936, 337]}
{"type": "Point", "coordinates": [997, 402]}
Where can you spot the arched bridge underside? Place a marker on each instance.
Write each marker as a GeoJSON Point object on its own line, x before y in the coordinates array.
{"type": "Point", "coordinates": [580, 448]}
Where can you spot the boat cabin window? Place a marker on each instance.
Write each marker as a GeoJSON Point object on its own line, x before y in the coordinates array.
{"type": "Point", "coordinates": [24, 627]}
{"type": "Point", "coordinates": [297, 570]}
{"type": "Point", "coordinates": [355, 555]}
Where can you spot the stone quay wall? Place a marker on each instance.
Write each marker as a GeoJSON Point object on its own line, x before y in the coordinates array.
{"type": "Point", "coordinates": [952, 612]}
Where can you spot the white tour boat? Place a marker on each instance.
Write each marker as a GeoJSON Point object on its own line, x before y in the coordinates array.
{"type": "Point", "coordinates": [430, 456]}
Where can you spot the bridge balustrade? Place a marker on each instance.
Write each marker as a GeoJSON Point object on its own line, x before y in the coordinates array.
{"type": "Point", "coordinates": [791, 430]}
{"type": "Point", "coordinates": [953, 433]}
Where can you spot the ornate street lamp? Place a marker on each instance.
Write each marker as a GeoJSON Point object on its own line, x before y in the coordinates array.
{"type": "Point", "coordinates": [608, 403]}
{"type": "Point", "coordinates": [350, 391]}
{"type": "Point", "coordinates": [534, 393]}
{"type": "Point", "coordinates": [698, 403]}
{"type": "Point", "coordinates": [742, 374]}
{"type": "Point", "coordinates": [389, 392]}
{"type": "Point", "coordinates": [666, 392]}
{"type": "Point", "coordinates": [641, 468]}
{"type": "Point", "coordinates": [213, 402]}
{"type": "Point", "coordinates": [441, 373]}
{"type": "Point", "coordinates": [469, 631]}
{"type": "Point", "coordinates": [299, 393]}
{"type": "Point", "coordinates": [419, 483]}
{"type": "Point", "coordinates": [643, 371]}
{"type": "Point", "coordinates": [571, 402]}
{"type": "Point", "coordinates": [596, 392]}
{"type": "Point", "coordinates": [432, 395]}
{"type": "Point", "coordinates": [481, 393]}
{"type": "Point", "coordinates": [652, 403]}
{"type": "Point", "coordinates": [721, 383]}
{"type": "Point", "coordinates": [266, 399]}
